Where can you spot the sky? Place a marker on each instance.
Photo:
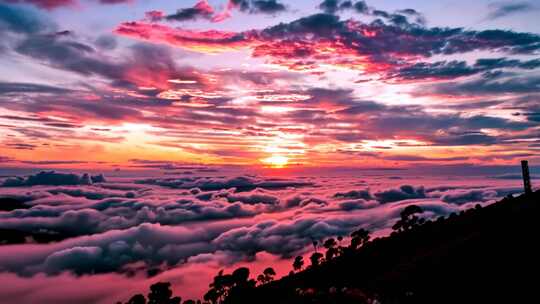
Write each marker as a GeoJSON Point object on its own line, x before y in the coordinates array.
{"type": "Point", "coordinates": [167, 140]}
{"type": "Point", "coordinates": [106, 84]}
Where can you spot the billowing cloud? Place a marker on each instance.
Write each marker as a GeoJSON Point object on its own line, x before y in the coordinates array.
{"type": "Point", "coordinates": [53, 178]}
{"type": "Point", "coordinates": [239, 183]}
{"type": "Point", "coordinates": [141, 230]}
{"type": "Point", "coordinates": [503, 9]}
{"type": "Point", "coordinates": [462, 197]}
{"type": "Point", "coordinates": [148, 81]}
{"type": "Point", "coordinates": [21, 20]}
{"type": "Point", "coordinates": [361, 46]}
{"type": "Point", "coordinates": [254, 137]}
{"type": "Point", "coordinates": [10, 87]}
{"type": "Point", "coordinates": [206, 41]}
{"type": "Point", "coordinates": [259, 6]}
{"type": "Point", "coordinates": [201, 10]}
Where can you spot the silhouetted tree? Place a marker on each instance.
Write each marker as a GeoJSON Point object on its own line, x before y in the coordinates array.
{"type": "Point", "coordinates": [137, 299]}
{"type": "Point", "coordinates": [226, 288]}
{"type": "Point", "coordinates": [189, 302]}
{"type": "Point", "coordinates": [267, 275]}
{"type": "Point", "coordinates": [298, 263]}
{"type": "Point", "coordinates": [241, 286]}
{"type": "Point", "coordinates": [212, 296]}
{"type": "Point", "coordinates": [218, 287]}
{"type": "Point", "coordinates": [408, 219]}
{"type": "Point", "coordinates": [240, 275]}
{"type": "Point", "coordinates": [315, 259]}
{"type": "Point", "coordinates": [340, 248]}
{"type": "Point", "coordinates": [359, 238]}
{"type": "Point", "coordinates": [331, 250]}
{"type": "Point", "coordinates": [161, 293]}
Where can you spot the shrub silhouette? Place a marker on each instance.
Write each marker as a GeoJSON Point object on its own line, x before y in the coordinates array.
{"type": "Point", "coordinates": [267, 276]}
{"type": "Point", "coordinates": [218, 287]}
{"type": "Point", "coordinates": [240, 275]}
{"type": "Point", "coordinates": [359, 238]}
{"type": "Point", "coordinates": [137, 299]}
{"type": "Point", "coordinates": [408, 220]}
{"type": "Point", "coordinates": [161, 293]}
{"type": "Point", "coordinates": [331, 248]}
{"type": "Point", "coordinates": [316, 259]}
{"type": "Point", "coordinates": [298, 263]}
{"type": "Point", "coordinates": [227, 288]}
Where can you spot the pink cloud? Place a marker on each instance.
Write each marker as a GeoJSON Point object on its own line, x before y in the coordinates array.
{"type": "Point", "coordinates": [212, 41]}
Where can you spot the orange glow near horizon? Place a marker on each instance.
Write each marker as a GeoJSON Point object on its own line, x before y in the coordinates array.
{"type": "Point", "coordinates": [276, 161]}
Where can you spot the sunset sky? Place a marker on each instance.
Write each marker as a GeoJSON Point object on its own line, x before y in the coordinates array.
{"type": "Point", "coordinates": [113, 83]}
{"type": "Point", "coordinates": [236, 132]}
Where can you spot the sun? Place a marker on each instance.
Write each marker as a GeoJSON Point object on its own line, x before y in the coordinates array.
{"type": "Point", "coordinates": [276, 161]}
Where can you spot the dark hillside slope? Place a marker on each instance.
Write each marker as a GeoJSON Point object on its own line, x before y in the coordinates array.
{"type": "Point", "coordinates": [483, 255]}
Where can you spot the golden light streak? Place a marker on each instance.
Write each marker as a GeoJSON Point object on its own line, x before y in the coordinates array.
{"type": "Point", "coordinates": [276, 161]}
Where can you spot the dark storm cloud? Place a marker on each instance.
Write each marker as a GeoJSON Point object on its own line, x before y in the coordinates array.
{"type": "Point", "coordinates": [296, 42]}
{"type": "Point", "coordinates": [499, 63]}
{"type": "Point", "coordinates": [399, 18]}
{"type": "Point", "coordinates": [332, 6]}
{"type": "Point", "coordinates": [438, 129]}
{"type": "Point", "coordinates": [533, 117]}
{"type": "Point", "coordinates": [106, 42]}
{"type": "Point", "coordinates": [404, 192]}
{"type": "Point", "coordinates": [252, 198]}
{"type": "Point", "coordinates": [467, 196]}
{"type": "Point", "coordinates": [503, 9]}
{"type": "Point", "coordinates": [145, 66]}
{"type": "Point", "coordinates": [488, 86]}
{"type": "Point", "coordinates": [202, 10]}
{"type": "Point", "coordinates": [464, 139]}
{"type": "Point", "coordinates": [15, 87]}
{"type": "Point", "coordinates": [300, 45]}
{"type": "Point", "coordinates": [21, 20]}
{"type": "Point", "coordinates": [62, 51]}
{"type": "Point", "coordinates": [361, 7]}
{"type": "Point", "coordinates": [355, 194]}
{"type": "Point", "coordinates": [358, 204]}
{"type": "Point", "coordinates": [437, 70]}
{"type": "Point", "coordinates": [260, 6]}
{"type": "Point", "coordinates": [53, 178]}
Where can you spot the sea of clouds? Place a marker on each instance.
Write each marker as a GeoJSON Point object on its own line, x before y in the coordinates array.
{"type": "Point", "coordinates": [120, 234]}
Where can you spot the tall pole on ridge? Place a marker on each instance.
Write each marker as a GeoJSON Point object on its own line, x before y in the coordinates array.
{"type": "Point", "coordinates": [526, 176]}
